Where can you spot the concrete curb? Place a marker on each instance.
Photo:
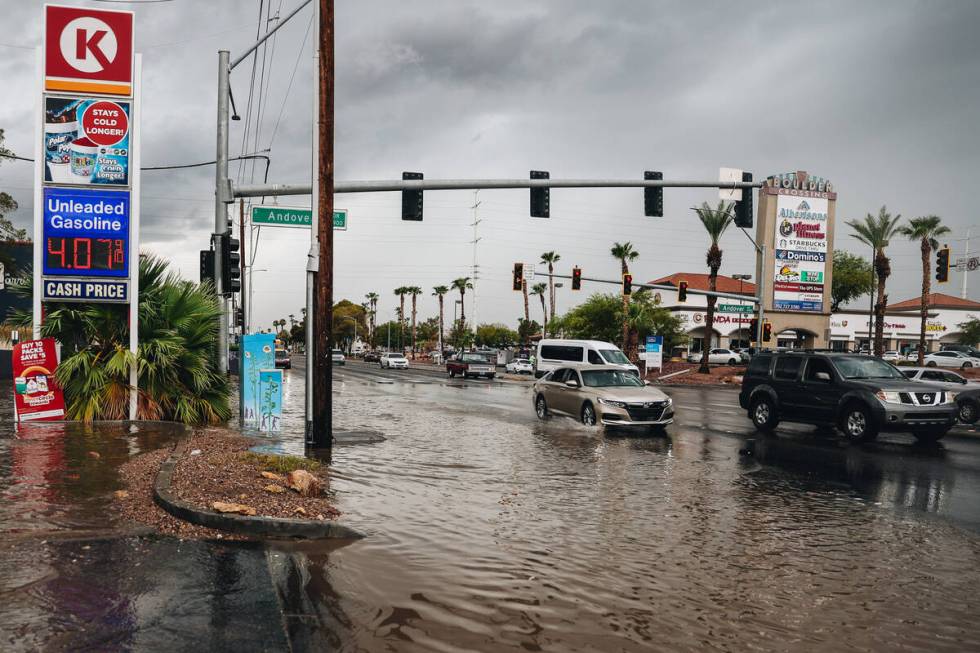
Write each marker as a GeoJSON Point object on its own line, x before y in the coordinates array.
{"type": "Point", "coordinates": [242, 524]}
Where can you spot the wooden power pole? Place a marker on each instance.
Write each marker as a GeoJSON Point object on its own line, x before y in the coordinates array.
{"type": "Point", "coordinates": [322, 426]}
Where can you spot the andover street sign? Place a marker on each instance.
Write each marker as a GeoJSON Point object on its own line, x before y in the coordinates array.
{"type": "Point", "coordinates": [289, 216]}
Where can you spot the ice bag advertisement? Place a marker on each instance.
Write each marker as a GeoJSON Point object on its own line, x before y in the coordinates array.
{"type": "Point", "coordinates": [86, 141]}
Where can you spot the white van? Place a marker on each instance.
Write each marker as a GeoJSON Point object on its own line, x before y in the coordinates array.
{"type": "Point", "coordinates": [553, 353]}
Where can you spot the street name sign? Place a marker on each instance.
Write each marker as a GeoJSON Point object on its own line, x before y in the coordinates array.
{"type": "Point", "coordinates": [290, 216]}
{"type": "Point", "coordinates": [88, 50]}
{"type": "Point", "coordinates": [735, 308]}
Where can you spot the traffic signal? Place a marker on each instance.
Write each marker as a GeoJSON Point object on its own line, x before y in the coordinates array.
{"type": "Point", "coordinates": [653, 196]}
{"type": "Point", "coordinates": [540, 197]}
{"type": "Point", "coordinates": [627, 284]}
{"type": "Point", "coordinates": [766, 331]}
{"type": "Point", "coordinates": [207, 265]}
{"type": "Point", "coordinates": [942, 265]}
{"type": "Point", "coordinates": [231, 274]}
{"type": "Point", "coordinates": [754, 328]}
{"type": "Point", "coordinates": [576, 278]}
{"type": "Point", "coordinates": [681, 291]}
{"type": "Point", "coordinates": [239, 316]}
{"type": "Point", "coordinates": [743, 207]}
{"type": "Point", "coordinates": [412, 199]}
{"type": "Point", "coordinates": [518, 276]}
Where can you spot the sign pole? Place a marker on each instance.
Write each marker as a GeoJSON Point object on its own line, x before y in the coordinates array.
{"type": "Point", "coordinates": [134, 235]}
{"type": "Point", "coordinates": [39, 158]}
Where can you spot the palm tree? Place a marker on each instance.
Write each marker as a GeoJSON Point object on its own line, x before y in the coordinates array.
{"type": "Point", "coordinates": [551, 258]}
{"type": "Point", "coordinates": [876, 231]}
{"type": "Point", "coordinates": [527, 307]}
{"type": "Point", "coordinates": [926, 230]}
{"type": "Point", "coordinates": [625, 253]}
{"type": "Point", "coordinates": [540, 289]}
{"type": "Point", "coordinates": [461, 285]}
{"type": "Point", "coordinates": [401, 291]}
{"type": "Point", "coordinates": [715, 222]}
{"type": "Point", "coordinates": [414, 291]}
{"type": "Point", "coordinates": [372, 298]}
{"type": "Point", "coordinates": [440, 291]}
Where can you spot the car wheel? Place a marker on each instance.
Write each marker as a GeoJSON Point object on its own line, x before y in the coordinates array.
{"type": "Point", "coordinates": [857, 424]}
{"type": "Point", "coordinates": [967, 365]}
{"type": "Point", "coordinates": [931, 364]}
{"type": "Point", "coordinates": [969, 411]}
{"type": "Point", "coordinates": [588, 414]}
{"type": "Point", "coordinates": [541, 407]}
{"type": "Point", "coordinates": [763, 414]}
{"type": "Point", "coordinates": [930, 435]}
{"type": "Point", "coordinates": [731, 361]}
{"type": "Point", "coordinates": [490, 376]}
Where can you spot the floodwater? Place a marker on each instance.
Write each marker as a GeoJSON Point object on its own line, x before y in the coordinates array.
{"type": "Point", "coordinates": [488, 530]}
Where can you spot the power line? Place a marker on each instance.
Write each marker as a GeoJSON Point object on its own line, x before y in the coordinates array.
{"type": "Point", "coordinates": [282, 109]}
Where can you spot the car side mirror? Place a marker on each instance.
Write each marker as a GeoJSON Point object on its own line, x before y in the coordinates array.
{"type": "Point", "coordinates": [963, 381]}
{"type": "Point", "coordinates": [646, 383]}
{"type": "Point", "coordinates": [571, 384]}
{"type": "Point", "coordinates": [823, 376]}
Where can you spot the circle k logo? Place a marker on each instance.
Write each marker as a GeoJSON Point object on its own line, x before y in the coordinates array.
{"type": "Point", "coordinates": [88, 44]}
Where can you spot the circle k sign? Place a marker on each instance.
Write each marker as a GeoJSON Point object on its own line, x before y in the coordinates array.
{"type": "Point", "coordinates": [88, 50]}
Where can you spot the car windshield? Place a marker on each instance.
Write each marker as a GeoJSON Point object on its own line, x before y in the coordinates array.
{"type": "Point", "coordinates": [614, 356]}
{"type": "Point", "coordinates": [853, 367]}
{"type": "Point", "coordinates": [610, 379]}
{"type": "Point", "coordinates": [337, 352]}
{"type": "Point", "coordinates": [473, 358]}
{"type": "Point", "coordinates": [396, 356]}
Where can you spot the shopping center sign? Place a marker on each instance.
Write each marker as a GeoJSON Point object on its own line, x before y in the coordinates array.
{"type": "Point", "coordinates": [801, 234]}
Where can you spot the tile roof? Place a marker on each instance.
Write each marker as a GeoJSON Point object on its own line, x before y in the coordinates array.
{"type": "Point", "coordinates": [699, 281]}
{"type": "Point", "coordinates": [937, 300]}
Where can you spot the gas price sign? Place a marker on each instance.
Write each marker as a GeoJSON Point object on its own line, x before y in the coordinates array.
{"type": "Point", "coordinates": [86, 233]}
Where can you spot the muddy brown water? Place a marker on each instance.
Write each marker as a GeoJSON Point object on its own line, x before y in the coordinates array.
{"type": "Point", "coordinates": [488, 530]}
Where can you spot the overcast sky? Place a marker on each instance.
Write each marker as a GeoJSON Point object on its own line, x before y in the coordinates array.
{"type": "Point", "coordinates": [879, 97]}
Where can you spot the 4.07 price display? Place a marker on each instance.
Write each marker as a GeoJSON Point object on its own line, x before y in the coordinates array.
{"type": "Point", "coordinates": [79, 255]}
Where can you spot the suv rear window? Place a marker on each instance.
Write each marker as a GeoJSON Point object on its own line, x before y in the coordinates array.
{"type": "Point", "coordinates": [561, 353]}
{"type": "Point", "coordinates": [759, 365]}
{"type": "Point", "coordinates": [787, 367]}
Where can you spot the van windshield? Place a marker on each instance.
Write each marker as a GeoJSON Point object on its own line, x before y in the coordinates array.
{"type": "Point", "coordinates": [614, 356]}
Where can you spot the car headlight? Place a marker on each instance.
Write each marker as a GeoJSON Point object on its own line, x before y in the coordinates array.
{"type": "Point", "coordinates": [670, 402]}
{"type": "Point", "coordinates": [610, 402]}
{"type": "Point", "coordinates": [889, 397]}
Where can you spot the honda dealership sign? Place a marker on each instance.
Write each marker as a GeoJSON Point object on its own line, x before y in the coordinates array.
{"type": "Point", "coordinates": [801, 252]}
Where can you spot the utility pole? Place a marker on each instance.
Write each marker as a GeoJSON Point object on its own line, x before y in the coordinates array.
{"type": "Point", "coordinates": [476, 239]}
{"type": "Point", "coordinates": [321, 428]}
{"type": "Point", "coordinates": [241, 234]}
{"type": "Point", "coordinates": [221, 188]}
{"type": "Point", "coordinates": [966, 254]}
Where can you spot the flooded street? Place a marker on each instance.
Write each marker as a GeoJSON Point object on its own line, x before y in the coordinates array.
{"type": "Point", "coordinates": [488, 530]}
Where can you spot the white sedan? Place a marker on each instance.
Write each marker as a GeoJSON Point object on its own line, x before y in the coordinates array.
{"type": "Point", "coordinates": [955, 359]}
{"type": "Point", "coordinates": [891, 356]}
{"type": "Point", "coordinates": [393, 360]}
{"type": "Point", "coordinates": [519, 366]}
{"type": "Point", "coordinates": [717, 357]}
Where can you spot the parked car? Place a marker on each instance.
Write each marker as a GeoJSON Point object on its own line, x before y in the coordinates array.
{"type": "Point", "coordinates": [601, 394]}
{"type": "Point", "coordinates": [469, 364]}
{"type": "Point", "coordinates": [372, 356]}
{"type": "Point", "coordinates": [717, 357]}
{"type": "Point", "coordinates": [282, 359]}
{"type": "Point", "coordinates": [891, 356]}
{"type": "Point", "coordinates": [337, 356]}
{"type": "Point", "coordinates": [393, 360]}
{"type": "Point", "coordinates": [949, 358]}
{"type": "Point", "coordinates": [860, 395]}
{"type": "Point", "coordinates": [555, 353]}
{"type": "Point", "coordinates": [966, 349]}
{"type": "Point", "coordinates": [967, 391]}
{"type": "Point", "coordinates": [520, 366]}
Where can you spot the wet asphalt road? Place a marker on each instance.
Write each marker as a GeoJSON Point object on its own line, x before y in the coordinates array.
{"type": "Point", "coordinates": [490, 530]}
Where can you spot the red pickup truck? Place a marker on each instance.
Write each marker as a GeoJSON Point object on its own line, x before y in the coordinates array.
{"type": "Point", "coordinates": [470, 364]}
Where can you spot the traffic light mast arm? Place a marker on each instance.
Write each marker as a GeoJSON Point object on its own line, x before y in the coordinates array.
{"type": "Point", "coordinates": [663, 286]}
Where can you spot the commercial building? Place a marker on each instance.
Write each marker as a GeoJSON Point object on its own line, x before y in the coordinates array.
{"type": "Point", "coordinates": [848, 327]}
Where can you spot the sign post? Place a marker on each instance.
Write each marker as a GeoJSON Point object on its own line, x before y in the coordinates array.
{"type": "Point", "coordinates": [87, 158]}
{"type": "Point", "coordinates": [654, 353]}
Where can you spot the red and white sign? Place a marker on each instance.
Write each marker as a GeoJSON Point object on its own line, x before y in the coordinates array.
{"type": "Point", "coordinates": [105, 123]}
{"type": "Point", "coordinates": [88, 50]}
{"type": "Point", "coordinates": [37, 395]}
